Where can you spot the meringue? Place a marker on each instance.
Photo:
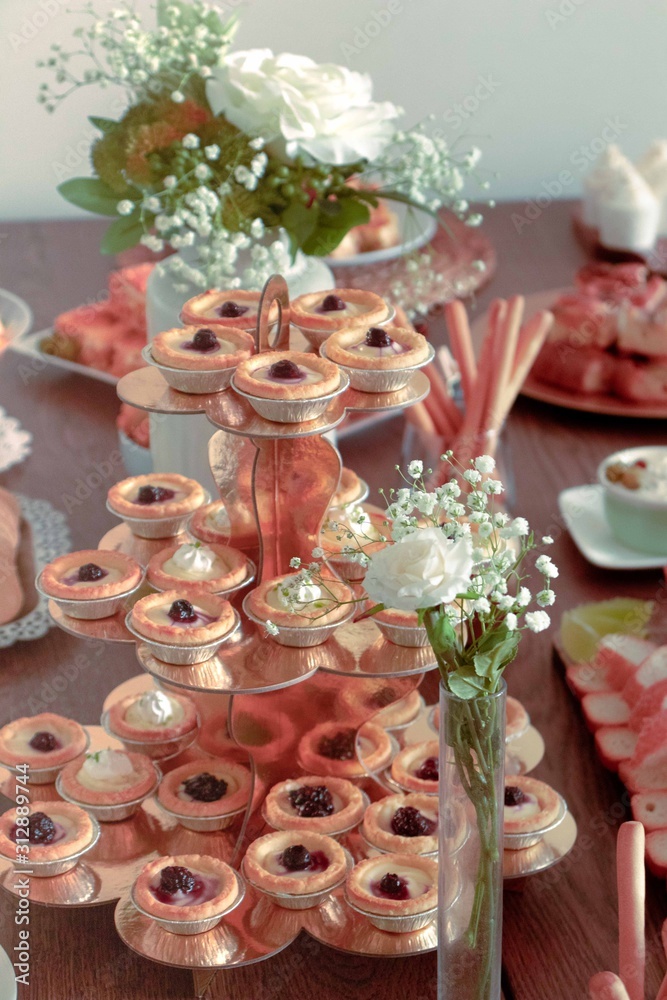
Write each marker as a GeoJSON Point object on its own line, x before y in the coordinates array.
{"type": "Point", "coordinates": [598, 180]}
{"type": "Point", "coordinates": [628, 211]}
{"type": "Point", "coordinates": [154, 708]}
{"type": "Point", "coordinates": [106, 767]}
{"type": "Point", "coordinates": [653, 168]}
{"type": "Point", "coordinates": [193, 560]}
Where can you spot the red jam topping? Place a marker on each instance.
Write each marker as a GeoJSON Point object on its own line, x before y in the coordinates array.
{"type": "Point", "coordinates": [285, 370]}
{"type": "Point", "coordinates": [514, 796]}
{"type": "Point", "coordinates": [182, 611]}
{"type": "Point", "coordinates": [409, 822]}
{"type": "Point", "coordinates": [312, 801]}
{"type": "Point", "coordinates": [175, 878]}
{"type": "Point", "coordinates": [154, 494]}
{"type": "Point", "coordinates": [338, 747]}
{"type": "Point", "coordinates": [41, 828]}
{"type": "Point", "coordinates": [393, 886]}
{"type": "Point", "coordinates": [205, 787]}
{"type": "Point", "coordinates": [377, 337]}
{"type": "Point", "coordinates": [231, 310]}
{"type": "Point", "coordinates": [331, 303]}
{"type": "Point", "coordinates": [203, 341]}
{"type": "Point", "coordinates": [298, 859]}
{"type": "Point", "coordinates": [428, 770]}
{"type": "Point", "coordinates": [90, 572]}
{"type": "Point", "coordinates": [44, 742]}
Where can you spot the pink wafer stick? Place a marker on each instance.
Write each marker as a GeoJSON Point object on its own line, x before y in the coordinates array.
{"type": "Point", "coordinates": [472, 430]}
{"type": "Point", "coordinates": [460, 340]}
{"type": "Point", "coordinates": [498, 400]}
{"type": "Point", "coordinates": [531, 337]}
{"type": "Point", "coordinates": [631, 885]}
{"type": "Point", "coordinates": [607, 986]}
{"type": "Point", "coordinates": [662, 992]}
{"type": "Point", "coordinates": [441, 400]}
{"type": "Point", "coordinates": [419, 417]}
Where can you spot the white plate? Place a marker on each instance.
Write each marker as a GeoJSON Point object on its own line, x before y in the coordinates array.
{"type": "Point", "coordinates": [583, 511]}
{"type": "Point", "coordinates": [7, 981]}
{"type": "Point", "coordinates": [416, 227]}
{"type": "Point", "coordinates": [28, 345]}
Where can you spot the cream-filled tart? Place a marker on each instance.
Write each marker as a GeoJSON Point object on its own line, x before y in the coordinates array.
{"type": "Point", "coordinates": [172, 619]}
{"type": "Point", "coordinates": [293, 862]}
{"type": "Point", "coordinates": [202, 348]}
{"type": "Point", "coordinates": [205, 787]}
{"type": "Point", "coordinates": [379, 699]}
{"type": "Point", "coordinates": [54, 831]}
{"type": "Point", "coordinates": [407, 824]}
{"type": "Point", "coordinates": [417, 767]}
{"type": "Point", "coordinates": [235, 308]}
{"type": "Point", "coordinates": [211, 523]}
{"type": "Point", "coordinates": [530, 805]}
{"type": "Point", "coordinates": [353, 528]}
{"type": "Point", "coordinates": [314, 605]}
{"type": "Point", "coordinates": [377, 347]}
{"type": "Point", "coordinates": [108, 778]}
{"type": "Point", "coordinates": [196, 569]}
{"type": "Point", "coordinates": [349, 488]}
{"type": "Point", "coordinates": [331, 748]}
{"type": "Point", "coordinates": [41, 741]}
{"type": "Point", "coordinates": [288, 375]}
{"type": "Point", "coordinates": [320, 804]}
{"type": "Point", "coordinates": [185, 887]}
{"type": "Point", "coordinates": [90, 575]}
{"type": "Point", "coordinates": [343, 307]}
{"type": "Point", "coordinates": [394, 885]}
{"type": "Point", "coordinates": [517, 719]}
{"type": "Point", "coordinates": [157, 495]}
{"type": "Point", "coordinates": [152, 716]}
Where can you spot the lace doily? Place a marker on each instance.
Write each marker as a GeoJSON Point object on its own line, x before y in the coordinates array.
{"type": "Point", "coordinates": [14, 442]}
{"type": "Point", "coordinates": [50, 538]}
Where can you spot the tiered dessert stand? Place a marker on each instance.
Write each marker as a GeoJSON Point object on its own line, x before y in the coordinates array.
{"type": "Point", "coordinates": [255, 697]}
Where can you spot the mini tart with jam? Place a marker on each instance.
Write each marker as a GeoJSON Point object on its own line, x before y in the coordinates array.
{"type": "Point", "coordinates": [530, 805]}
{"type": "Point", "coordinates": [160, 494]}
{"type": "Point", "coordinates": [90, 574]}
{"type": "Point", "coordinates": [295, 862]}
{"type": "Point", "coordinates": [287, 375]}
{"type": "Point", "coordinates": [205, 787]}
{"type": "Point", "coordinates": [202, 348]}
{"type": "Point", "coordinates": [331, 748]}
{"type": "Point", "coordinates": [152, 716]}
{"type": "Point", "coordinates": [185, 887]}
{"type": "Point", "coordinates": [349, 488]}
{"type": "Point", "coordinates": [361, 699]}
{"type": "Point", "coordinates": [323, 805]}
{"type": "Point", "coordinates": [416, 767]}
{"type": "Point", "coordinates": [211, 523]}
{"type": "Point", "coordinates": [394, 885]}
{"type": "Point", "coordinates": [407, 824]}
{"type": "Point", "coordinates": [55, 830]}
{"type": "Point", "coordinates": [197, 569]}
{"type": "Point", "coordinates": [172, 619]}
{"type": "Point", "coordinates": [45, 740]}
{"type": "Point", "coordinates": [318, 608]}
{"type": "Point", "coordinates": [108, 778]}
{"type": "Point", "coordinates": [343, 307]}
{"type": "Point", "coordinates": [377, 347]}
{"type": "Point", "coordinates": [235, 308]}
{"type": "Point", "coordinates": [517, 719]}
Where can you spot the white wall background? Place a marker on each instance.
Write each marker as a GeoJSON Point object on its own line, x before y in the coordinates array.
{"type": "Point", "coordinates": [542, 84]}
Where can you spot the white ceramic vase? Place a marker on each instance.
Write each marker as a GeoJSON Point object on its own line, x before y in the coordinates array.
{"type": "Point", "coordinates": [180, 443]}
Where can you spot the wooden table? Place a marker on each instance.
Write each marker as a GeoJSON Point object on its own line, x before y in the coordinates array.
{"type": "Point", "coordinates": [561, 928]}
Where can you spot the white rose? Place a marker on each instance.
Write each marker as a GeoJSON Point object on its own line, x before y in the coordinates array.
{"type": "Point", "coordinates": [322, 111]}
{"type": "Point", "coordinates": [423, 569]}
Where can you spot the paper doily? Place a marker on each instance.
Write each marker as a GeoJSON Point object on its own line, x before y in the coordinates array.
{"type": "Point", "coordinates": [50, 538]}
{"type": "Point", "coordinates": [14, 442]}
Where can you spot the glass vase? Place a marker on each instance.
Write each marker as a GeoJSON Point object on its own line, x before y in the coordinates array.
{"type": "Point", "coordinates": [472, 798]}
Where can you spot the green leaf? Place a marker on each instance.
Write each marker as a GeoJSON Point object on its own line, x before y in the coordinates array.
{"type": "Point", "coordinates": [335, 220]}
{"type": "Point", "coordinates": [371, 611]}
{"type": "Point", "coordinates": [442, 634]}
{"type": "Point", "coordinates": [103, 124]}
{"type": "Point", "coordinates": [123, 233]}
{"type": "Point", "coordinates": [463, 686]}
{"type": "Point", "coordinates": [299, 222]}
{"type": "Point", "coordinates": [90, 193]}
{"type": "Point", "coordinates": [483, 665]}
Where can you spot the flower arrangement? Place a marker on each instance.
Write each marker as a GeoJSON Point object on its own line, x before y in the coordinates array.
{"type": "Point", "coordinates": [224, 152]}
{"type": "Point", "coordinates": [457, 562]}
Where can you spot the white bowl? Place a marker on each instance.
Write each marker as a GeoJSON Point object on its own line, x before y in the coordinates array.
{"type": "Point", "coordinates": [15, 315]}
{"type": "Point", "coordinates": [638, 521]}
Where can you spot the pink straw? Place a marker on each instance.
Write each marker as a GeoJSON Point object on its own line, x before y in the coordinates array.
{"type": "Point", "coordinates": [631, 885]}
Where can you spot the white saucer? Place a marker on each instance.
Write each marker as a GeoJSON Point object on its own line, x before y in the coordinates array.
{"type": "Point", "coordinates": [8, 988]}
{"type": "Point", "coordinates": [583, 512]}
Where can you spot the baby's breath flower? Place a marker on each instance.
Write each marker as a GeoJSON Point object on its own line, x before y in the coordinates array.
{"type": "Point", "coordinates": [415, 469]}
{"type": "Point", "coordinates": [295, 562]}
{"type": "Point", "coordinates": [511, 621]}
{"type": "Point", "coordinates": [545, 598]}
{"type": "Point", "coordinates": [544, 565]}
{"type": "Point", "coordinates": [318, 552]}
{"type": "Point", "coordinates": [270, 627]}
{"type": "Point", "coordinates": [485, 464]}
{"type": "Point", "coordinates": [190, 141]}
{"type": "Point", "coordinates": [472, 476]}
{"type": "Point", "coordinates": [212, 152]}
{"type": "Point", "coordinates": [178, 97]}
{"type": "Point", "coordinates": [523, 597]}
{"type": "Point", "coordinates": [547, 540]}
{"type": "Point", "coordinates": [537, 621]}
{"type": "Point", "coordinates": [125, 207]}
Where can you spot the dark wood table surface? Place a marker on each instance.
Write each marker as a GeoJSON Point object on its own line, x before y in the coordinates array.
{"type": "Point", "coordinates": [561, 927]}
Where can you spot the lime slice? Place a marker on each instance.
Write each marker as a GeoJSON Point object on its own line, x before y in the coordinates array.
{"type": "Point", "coordinates": [582, 628]}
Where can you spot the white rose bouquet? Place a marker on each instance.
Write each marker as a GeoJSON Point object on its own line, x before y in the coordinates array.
{"type": "Point", "coordinates": [247, 151]}
{"type": "Point", "coordinates": [457, 563]}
